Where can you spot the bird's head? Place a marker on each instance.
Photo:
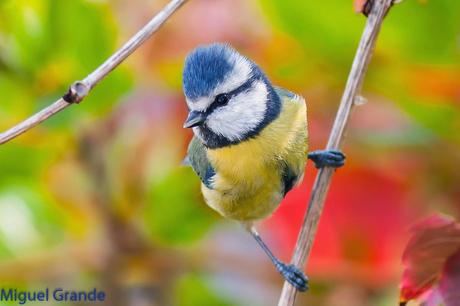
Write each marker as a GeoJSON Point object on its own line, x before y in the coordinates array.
{"type": "Point", "coordinates": [229, 98]}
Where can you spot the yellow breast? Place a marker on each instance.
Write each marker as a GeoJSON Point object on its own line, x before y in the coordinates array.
{"type": "Point", "coordinates": [248, 184]}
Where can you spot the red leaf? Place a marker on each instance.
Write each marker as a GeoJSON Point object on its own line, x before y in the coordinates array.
{"type": "Point", "coordinates": [446, 291]}
{"type": "Point", "coordinates": [433, 298]}
{"type": "Point", "coordinates": [449, 283]}
{"type": "Point", "coordinates": [433, 241]}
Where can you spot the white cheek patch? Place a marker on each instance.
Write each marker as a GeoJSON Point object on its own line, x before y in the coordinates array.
{"type": "Point", "coordinates": [242, 114]}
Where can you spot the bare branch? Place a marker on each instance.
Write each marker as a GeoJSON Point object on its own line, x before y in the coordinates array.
{"type": "Point", "coordinates": [323, 179]}
{"type": "Point", "coordinates": [80, 89]}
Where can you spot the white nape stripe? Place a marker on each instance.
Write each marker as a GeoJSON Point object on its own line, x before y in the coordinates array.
{"type": "Point", "coordinates": [240, 73]}
{"type": "Point", "coordinates": [242, 114]}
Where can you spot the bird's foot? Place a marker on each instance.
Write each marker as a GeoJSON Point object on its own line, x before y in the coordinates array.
{"type": "Point", "coordinates": [327, 158]}
{"type": "Point", "coordinates": [293, 275]}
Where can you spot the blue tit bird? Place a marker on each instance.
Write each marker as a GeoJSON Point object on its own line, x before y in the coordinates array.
{"type": "Point", "coordinates": [250, 143]}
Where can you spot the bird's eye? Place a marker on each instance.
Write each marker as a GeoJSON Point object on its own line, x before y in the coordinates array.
{"type": "Point", "coordinates": [221, 99]}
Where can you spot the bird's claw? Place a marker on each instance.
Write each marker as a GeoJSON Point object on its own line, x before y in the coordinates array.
{"type": "Point", "coordinates": [327, 158]}
{"type": "Point", "coordinates": [294, 276]}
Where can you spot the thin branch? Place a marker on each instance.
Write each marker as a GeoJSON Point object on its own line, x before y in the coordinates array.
{"type": "Point", "coordinates": [80, 89]}
{"type": "Point", "coordinates": [323, 179]}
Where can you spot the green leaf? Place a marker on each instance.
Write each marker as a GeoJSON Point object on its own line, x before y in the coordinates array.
{"type": "Point", "coordinates": [176, 211]}
{"type": "Point", "coordinates": [327, 28]}
{"type": "Point", "coordinates": [192, 290]}
{"type": "Point", "coordinates": [27, 220]}
{"type": "Point", "coordinates": [423, 32]}
{"type": "Point", "coordinates": [17, 163]}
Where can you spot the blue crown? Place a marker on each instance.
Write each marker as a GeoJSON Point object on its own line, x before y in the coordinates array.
{"type": "Point", "coordinates": [206, 67]}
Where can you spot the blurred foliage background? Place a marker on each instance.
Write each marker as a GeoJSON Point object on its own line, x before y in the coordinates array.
{"type": "Point", "coordinates": [96, 196]}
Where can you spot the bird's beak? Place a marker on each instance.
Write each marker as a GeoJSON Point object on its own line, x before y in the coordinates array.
{"type": "Point", "coordinates": [194, 119]}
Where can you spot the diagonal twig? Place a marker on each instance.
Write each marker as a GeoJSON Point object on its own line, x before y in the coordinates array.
{"type": "Point", "coordinates": [377, 12]}
{"type": "Point", "coordinates": [80, 89]}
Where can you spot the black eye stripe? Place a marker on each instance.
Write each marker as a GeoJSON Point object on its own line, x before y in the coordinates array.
{"type": "Point", "coordinates": [242, 88]}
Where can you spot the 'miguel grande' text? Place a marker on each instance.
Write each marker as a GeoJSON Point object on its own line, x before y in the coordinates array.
{"type": "Point", "coordinates": [57, 294]}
